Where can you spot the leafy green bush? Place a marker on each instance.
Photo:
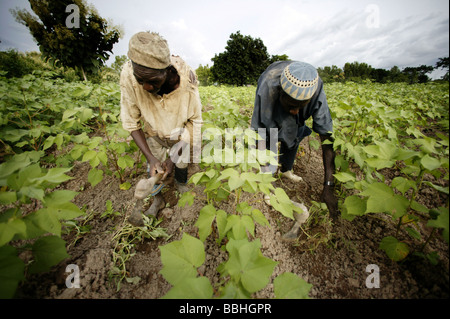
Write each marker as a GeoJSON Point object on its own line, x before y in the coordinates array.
{"type": "Point", "coordinates": [16, 64]}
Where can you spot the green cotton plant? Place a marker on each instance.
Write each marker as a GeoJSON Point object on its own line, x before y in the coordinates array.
{"type": "Point", "coordinates": [32, 112]}
{"type": "Point", "coordinates": [247, 270]}
{"type": "Point", "coordinates": [23, 181]}
{"type": "Point", "coordinates": [39, 118]}
{"type": "Point", "coordinates": [233, 182]}
{"type": "Point", "coordinates": [230, 168]}
{"type": "Point", "coordinates": [228, 111]}
{"type": "Point", "coordinates": [26, 117]}
{"type": "Point", "coordinates": [232, 171]}
{"type": "Point", "coordinates": [397, 199]}
{"type": "Point", "coordinates": [90, 108]}
{"type": "Point", "coordinates": [378, 132]}
{"type": "Point", "coordinates": [112, 153]}
{"type": "Point", "coordinates": [181, 259]}
{"type": "Point", "coordinates": [35, 115]}
{"type": "Point", "coordinates": [111, 150]}
{"type": "Point", "coordinates": [235, 227]}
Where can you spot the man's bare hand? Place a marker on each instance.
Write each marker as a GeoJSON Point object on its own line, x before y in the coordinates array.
{"type": "Point", "coordinates": [330, 199]}
{"type": "Point", "coordinates": [156, 167]}
{"type": "Point", "coordinates": [168, 168]}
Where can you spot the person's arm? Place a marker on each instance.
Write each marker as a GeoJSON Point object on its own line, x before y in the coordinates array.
{"type": "Point", "coordinates": [130, 115]}
{"type": "Point", "coordinates": [190, 134]}
{"type": "Point", "coordinates": [139, 139]}
{"type": "Point", "coordinates": [328, 156]}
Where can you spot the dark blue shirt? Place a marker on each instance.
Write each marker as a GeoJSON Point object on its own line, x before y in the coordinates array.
{"type": "Point", "coordinates": [268, 112]}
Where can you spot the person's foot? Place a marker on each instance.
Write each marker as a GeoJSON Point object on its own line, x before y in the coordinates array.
{"type": "Point", "coordinates": [156, 206]}
{"type": "Point", "coordinates": [290, 175]}
{"type": "Point", "coordinates": [181, 187]}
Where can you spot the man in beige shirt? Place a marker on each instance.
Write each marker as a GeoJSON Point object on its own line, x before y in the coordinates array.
{"type": "Point", "coordinates": [161, 108]}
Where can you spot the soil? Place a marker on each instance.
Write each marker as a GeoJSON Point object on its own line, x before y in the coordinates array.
{"type": "Point", "coordinates": [331, 256]}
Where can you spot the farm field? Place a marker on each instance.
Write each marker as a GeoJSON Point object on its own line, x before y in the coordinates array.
{"type": "Point", "coordinates": [68, 173]}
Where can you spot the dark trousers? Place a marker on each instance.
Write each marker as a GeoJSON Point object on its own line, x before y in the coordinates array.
{"type": "Point", "coordinates": [287, 155]}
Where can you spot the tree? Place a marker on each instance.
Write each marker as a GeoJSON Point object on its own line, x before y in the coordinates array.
{"type": "Point", "coordinates": [118, 63]}
{"type": "Point", "coordinates": [275, 58]}
{"type": "Point", "coordinates": [331, 74]}
{"type": "Point", "coordinates": [204, 75]}
{"type": "Point", "coordinates": [418, 74]}
{"type": "Point", "coordinates": [357, 71]}
{"type": "Point", "coordinates": [242, 62]}
{"type": "Point", "coordinates": [396, 75]}
{"type": "Point", "coordinates": [380, 75]}
{"type": "Point", "coordinates": [15, 64]}
{"type": "Point", "coordinates": [443, 63]}
{"type": "Point", "coordinates": [70, 33]}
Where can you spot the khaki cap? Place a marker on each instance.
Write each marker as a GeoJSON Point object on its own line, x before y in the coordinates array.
{"type": "Point", "coordinates": [149, 49]}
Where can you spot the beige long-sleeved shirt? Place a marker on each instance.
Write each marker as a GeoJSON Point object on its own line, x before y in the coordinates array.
{"type": "Point", "coordinates": [161, 115]}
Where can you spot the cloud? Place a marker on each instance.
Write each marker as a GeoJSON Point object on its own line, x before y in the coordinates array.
{"type": "Point", "coordinates": [179, 24]}
{"type": "Point", "coordinates": [183, 39]}
{"type": "Point", "coordinates": [348, 36]}
{"type": "Point", "coordinates": [382, 33]}
{"type": "Point", "coordinates": [326, 41]}
{"type": "Point", "coordinates": [342, 33]}
{"type": "Point", "coordinates": [412, 41]}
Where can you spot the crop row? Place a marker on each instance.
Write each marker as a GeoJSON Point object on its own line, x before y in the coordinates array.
{"type": "Point", "coordinates": [47, 124]}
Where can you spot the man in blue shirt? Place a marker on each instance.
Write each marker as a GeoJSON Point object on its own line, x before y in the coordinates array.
{"type": "Point", "coordinates": [289, 93]}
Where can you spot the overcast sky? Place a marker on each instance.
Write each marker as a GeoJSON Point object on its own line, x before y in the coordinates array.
{"type": "Point", "coordinates": [382, 33]}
